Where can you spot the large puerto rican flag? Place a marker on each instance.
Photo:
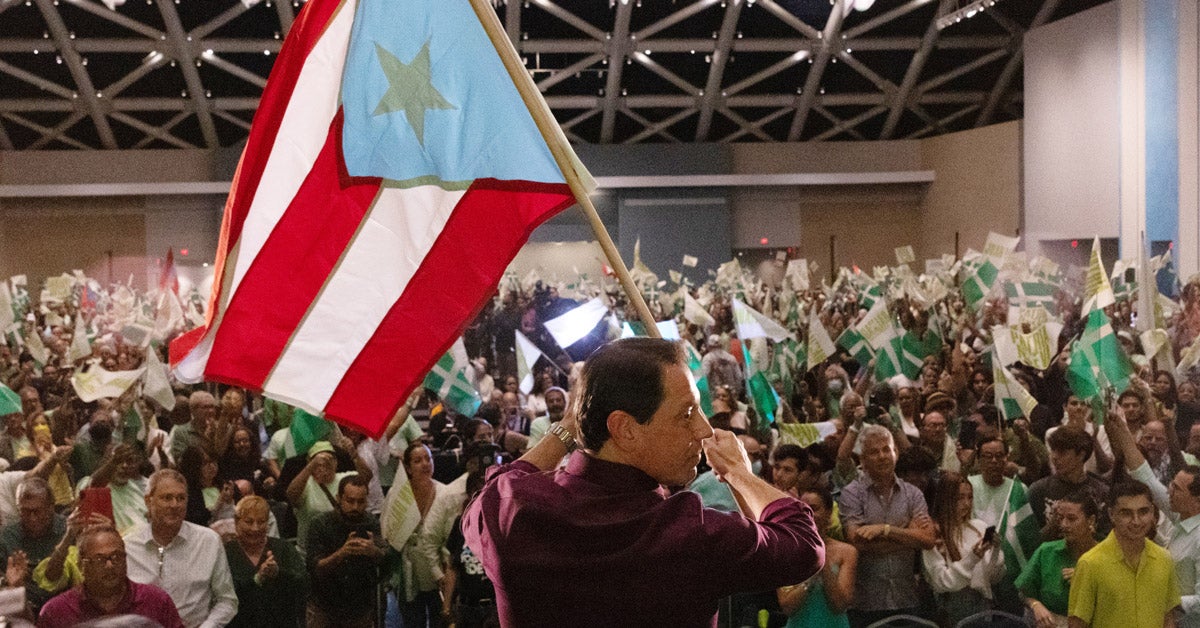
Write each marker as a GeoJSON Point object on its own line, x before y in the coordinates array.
{"type": "Point", "coordinates": [391, 174]}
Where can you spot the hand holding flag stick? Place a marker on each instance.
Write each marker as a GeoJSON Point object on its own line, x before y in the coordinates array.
{"type": "Point", "coordinates": [555, 140]}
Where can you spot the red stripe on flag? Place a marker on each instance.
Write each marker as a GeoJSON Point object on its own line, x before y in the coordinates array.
{"type": "Point", "coordinates": [286, 277]}
{"type": "Point", "coordinates": [306, 31]}
{"type": "Point", "coordinates": [456, 279]}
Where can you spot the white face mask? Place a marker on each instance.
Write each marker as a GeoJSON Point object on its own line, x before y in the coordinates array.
{"type": "Point", "coordinates": [836, 386]}
{"type": "Point", "coordinates": [756, 467]}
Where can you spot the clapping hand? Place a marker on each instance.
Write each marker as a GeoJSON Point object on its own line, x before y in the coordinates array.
{"type": "Point", "coordinates": [17, 570]}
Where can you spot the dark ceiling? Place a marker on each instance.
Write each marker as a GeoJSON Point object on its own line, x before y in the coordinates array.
{"type": "Point", "coordinates": [76, 74]}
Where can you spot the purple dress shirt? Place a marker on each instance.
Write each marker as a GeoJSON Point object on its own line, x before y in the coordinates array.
{"type": "Point", "coordinates": [72, 607]}
{"type": "Point", "coordinates": [601, 544]}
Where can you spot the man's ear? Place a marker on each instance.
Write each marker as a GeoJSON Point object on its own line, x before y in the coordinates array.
{"type": "Point", "coordinates": [622, 430]}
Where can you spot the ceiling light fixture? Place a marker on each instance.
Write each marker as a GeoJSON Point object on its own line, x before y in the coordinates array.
{"type": "Point", "coordinates": [964, 13]}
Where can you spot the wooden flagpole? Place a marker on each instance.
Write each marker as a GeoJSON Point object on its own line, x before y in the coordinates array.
{"type": "Point", "coordinates": [551, 133]}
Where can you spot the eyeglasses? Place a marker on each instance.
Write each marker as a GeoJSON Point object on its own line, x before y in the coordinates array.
{"type": "Point", "coordinates": [993, 456]}
{"type": "Point", "coordinates": [114, 558]}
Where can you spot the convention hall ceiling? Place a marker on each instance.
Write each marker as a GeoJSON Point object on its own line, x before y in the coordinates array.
{"type": "Point", "coordinates": [86, 74]}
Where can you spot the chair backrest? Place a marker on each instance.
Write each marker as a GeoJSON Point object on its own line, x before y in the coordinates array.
{"type": "Point", "coordinates": [992, 619]}
{"type": "Point", "coordinates": [904, 621]}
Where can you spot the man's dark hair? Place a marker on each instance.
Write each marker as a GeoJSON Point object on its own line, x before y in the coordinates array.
{"type": "Point", "coordinates": [1071, 439]}
{"type": "Point", "coordinates": [491, 412]}
{"type": "Point", "coordinates": [995, 439]}
{"type": "Point", "coordinates": [353, 479]}
{"type": "Point", "coordinates": [990, 415]}
{"type": "Point", "coordinates": [795, 452]}
{"type": "Point", "coordinates": [1085, 501]}
{"type": "Point", "coordinates": [1194, 485]}
{"type": "Point", "coordinates": [1129, 392]}
{"type": "Point", "coordinates": [1128, 488]}
{"type": "Point", "coordinates": [625, 375]}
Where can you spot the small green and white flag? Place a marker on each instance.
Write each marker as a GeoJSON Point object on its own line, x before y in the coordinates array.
{"type": "Point", "coordinates": [877, 326]}
{"type": "Point", "coordinates": [695, 313]}
{"type": "Point", "coordinates": [1028, 294]}
{"type": "Point", "coordinates": [1012, 400]}
{"type": "Point", "coordinates": [80, 347]}
{"type": "Point", "coordinates": [37, 348]}
{"type": "Point", "coordinates": [762, 395]}
{"type": "Point", "coordinates": [1098, 362]}
{"type": "Point", "coordinates": [997, 246]}
{"type": "Point", "coordinates": [1018, 530]}
{"type": "Point", "coordinates": [449, 378]}
{"type": "Point", "coordinates": [978, 283]}
{"type": "Point", "coordinates": [857, 346]}
{"type": "Point", "coordinates": [820, 345]}
{"type": "Point", "coordinates": [889, 360]}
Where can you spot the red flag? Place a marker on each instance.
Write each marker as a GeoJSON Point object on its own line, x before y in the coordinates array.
{"type": "Point", "coordinates": [367, 225]}
{"type": "Point", "coordinates": [168, 275]}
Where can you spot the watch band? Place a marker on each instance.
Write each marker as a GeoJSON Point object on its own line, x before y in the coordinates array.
{"type": "Point", "coordinates": [564, 436]}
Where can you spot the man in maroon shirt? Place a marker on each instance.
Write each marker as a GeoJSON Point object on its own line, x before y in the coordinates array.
{"type": "Point", "coordinates": [106, 590]}
{"type": "Point", "coordinates": [600, 542]}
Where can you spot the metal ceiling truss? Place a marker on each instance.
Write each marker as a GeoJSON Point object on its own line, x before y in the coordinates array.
{"type": "Point", "coordinates": [646, 81]}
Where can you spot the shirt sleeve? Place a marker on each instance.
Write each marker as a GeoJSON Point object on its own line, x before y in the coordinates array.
{"type": "Point", "coordinates": [945, 576]}
{"type": "Point", "coordinates": [850, 504]}
{"type": "Point", "coordinates": [220, 584]}
{"type": "Point", "coordinates": [783, 547]}
{"type": "Point", "coordinates": [1082, 599]}
{"type": "Point", "coordinates": [1029, 581]}
{"type": "Point", "coordinates": [1190, 600]}
{"type": "Point", "coordinates": [71, 575]}
{"type": "Point", "coordinates": [430, 542]}
{"type": "Point", "coordinates": [1174, 599]}
{"type": "Point", "coordinates": [1144, 475]}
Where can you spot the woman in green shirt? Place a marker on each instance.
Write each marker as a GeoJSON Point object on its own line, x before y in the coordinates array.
{"type": "Point", "coordinates": [822, 600]}
{"type": "Point", "coordinates": [1045, 582]}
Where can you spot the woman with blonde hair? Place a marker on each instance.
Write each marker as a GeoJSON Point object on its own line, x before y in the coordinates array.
{"type": "Point", "coordinates": [269, 575]}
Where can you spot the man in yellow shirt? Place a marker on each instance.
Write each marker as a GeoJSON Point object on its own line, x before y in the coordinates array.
{"type": "Point", "coordinates": [1126, 581]}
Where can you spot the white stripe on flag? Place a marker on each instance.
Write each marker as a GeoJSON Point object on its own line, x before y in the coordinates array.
{"type": "Point", "coordinates": [360, 292]}
{"type": "Point", "coordinates": [301, 136]}
{"type": "Point", "coordinates": [304, 129]}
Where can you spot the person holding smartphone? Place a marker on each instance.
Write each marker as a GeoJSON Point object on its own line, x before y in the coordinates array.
{"type": "Point", "coordinates": [966, 559]}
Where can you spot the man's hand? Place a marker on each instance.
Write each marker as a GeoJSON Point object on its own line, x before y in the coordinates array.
{"type": "Point", "coordinates": [359, 546]}
{"type": "Point", "coordinates": [17, 570]}
{"type": "Point", "coordinates": [726, 455]}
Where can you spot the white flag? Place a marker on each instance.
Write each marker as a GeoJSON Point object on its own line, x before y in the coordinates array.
{"type": "Point", "coordinates": [753, 324]}
{"type": "Point", "coordinates": [80, 347]}
{"type": "Point", "coordinates": [571, 327]}
{"type": "Point", "coordinates": [820, 345]}
{"type": "Point", "coordinates": [97, 383]}
{"type": "Point", "coordinates": [694, 312]}
{"type": "Point", "coordinates": [877, 326]}
{"type": "Point", "coordinates": [527, 356]}
{"type": "Point", "coordinates": [156, 383]}
{"type": "Point", "coordinates": [7, 318]}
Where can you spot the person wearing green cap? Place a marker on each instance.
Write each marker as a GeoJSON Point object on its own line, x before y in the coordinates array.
{"type": "Point", "coordinates": [311, 492]}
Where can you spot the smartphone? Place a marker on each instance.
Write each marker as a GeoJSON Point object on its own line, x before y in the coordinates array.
{"type": "Point", "coordinates": [989, 535]}
{"type": "Point", "coordinates": [95, 500]}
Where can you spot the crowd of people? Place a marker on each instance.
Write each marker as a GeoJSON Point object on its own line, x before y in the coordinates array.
{"type": "Point", "coordinates": [935, 495]}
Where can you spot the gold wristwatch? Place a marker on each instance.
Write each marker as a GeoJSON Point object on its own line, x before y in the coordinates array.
{"type": "Point", "coordinates": [564, 436]}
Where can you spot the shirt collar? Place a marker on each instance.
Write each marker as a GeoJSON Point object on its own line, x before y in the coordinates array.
{"type": "Point", "coordinates": [90, 609]}
{"type": "Point", "coordinates": [612, 475]}
{"type": "Point", "coordinates": [1190, 524]}
{"type": "Point", "coordinates": [872, 485]}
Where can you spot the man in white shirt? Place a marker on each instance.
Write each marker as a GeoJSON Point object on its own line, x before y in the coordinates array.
{"type": "Point", "coordinates": [556, 404]}
{"type": "Point", "coordinates": [991, 487]}
{"type": "Point", "coordinates": [184, 559]}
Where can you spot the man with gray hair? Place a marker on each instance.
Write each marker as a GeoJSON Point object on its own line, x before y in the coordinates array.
{"type": "Point", "coordinates": [34, 536]}
{"type": "Point", "coordinates": [188, 561]}
{"type": "Point", "coordinates": [203, 409]}
{"type": "Point", "coordinates": [887, 519]}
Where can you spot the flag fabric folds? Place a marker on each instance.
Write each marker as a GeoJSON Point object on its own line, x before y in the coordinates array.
{"type": "Point", "coordinates": [857, 346]}
{"type": "Point", "coordinates": [391, 174]}
{"type": "Point", "coordinates": [10, 401]}
{"type": "Point", "coordinates": [1098, 292]}
{"type": "Point", "coordinates": [696, 366]}
{"type": "Point", "coordinates": [978, 282]}
{"type": "Point", "coordinates": [762, 396]}
{"type": "Point", "coordinates": [1012, 400]}
{"type": "Point", "coordinates": [1018, 530]}
{"type": "Point", "coordinates": [820, 346]}
{"type": "Point", "coordinates": [1098, 363]}
{"type": "Point", "coordinates": [527, 356]}
{"type": "Point", "coordinates": [448, 378]}
{"type": "Point", "coordinates": [572, 326]}
{"type": "Point", "coordinates": [754, 324]}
